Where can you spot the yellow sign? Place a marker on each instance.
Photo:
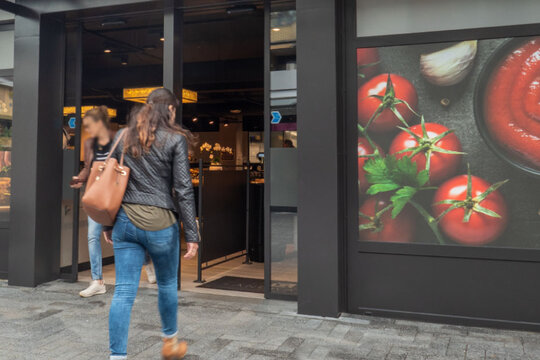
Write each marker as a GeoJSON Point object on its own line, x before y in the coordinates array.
{"type": "Point", "coordinates": [140, 94]}
{"type": "Point", "coordinates": [71, 110]}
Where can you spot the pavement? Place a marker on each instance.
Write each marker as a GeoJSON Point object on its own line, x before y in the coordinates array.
{"type": "Point", "coordinates": [51, 322]}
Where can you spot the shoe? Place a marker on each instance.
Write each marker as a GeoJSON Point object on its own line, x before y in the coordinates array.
{"type": "Point", "coordinates": [150, 273]}
{"type": "Point", "coordinates": [173, 349]}
{"type": "Point", "coordinates": [95, 288]}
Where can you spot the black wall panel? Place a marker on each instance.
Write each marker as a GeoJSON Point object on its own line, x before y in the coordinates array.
{"type": "Point", "coordinates": [457, 290]}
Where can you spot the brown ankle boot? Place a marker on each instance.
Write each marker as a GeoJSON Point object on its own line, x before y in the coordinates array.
{"type": "Point", "coordinates": [173, 349]}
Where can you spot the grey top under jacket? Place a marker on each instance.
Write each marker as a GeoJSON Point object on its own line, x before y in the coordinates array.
{"type": "Point", "coordinates": [161, 178]}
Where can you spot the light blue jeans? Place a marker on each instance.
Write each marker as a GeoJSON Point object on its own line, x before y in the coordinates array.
{"type": "Point", "coordinates": [94, 249]}
{"type": "Point", "coordinates": [130, 244]}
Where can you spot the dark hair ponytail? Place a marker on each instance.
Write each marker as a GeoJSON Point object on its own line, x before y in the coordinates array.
{"type": "Point", "coordinates": [146, 120]}
{"type": "Point", "coordinates": [100, 113]}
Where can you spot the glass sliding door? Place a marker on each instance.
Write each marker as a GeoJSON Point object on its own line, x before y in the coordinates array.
{"type": "Point", "coordinates": [282, 177]}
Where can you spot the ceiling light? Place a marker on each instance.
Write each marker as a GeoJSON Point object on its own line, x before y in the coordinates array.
{"type": "Point", "coordinates": [276, 29]}
{"type": "Point", "coordinates": [211, 122]}
{"type": "Point", "coordinates": [107, 51]}
{"type": "Point", "coordinates": [226, 123]}
{"type": "Point", "coordinates": [236, 111]}
{"type": "Point", "coordinates": [194, 119]}
{"type": "Point", "coordinates": [124, 60]}
{"type": "Point", "coordinates": [162, 39]}
{"type": "Point", "coordinates": [241, 9]}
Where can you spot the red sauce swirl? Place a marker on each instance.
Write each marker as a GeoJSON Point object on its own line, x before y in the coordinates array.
{"type": "Point", "coordinates": [512, 103]}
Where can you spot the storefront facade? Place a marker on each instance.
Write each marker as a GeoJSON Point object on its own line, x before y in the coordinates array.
{"type": "Point", "coordinates": [369, 241]}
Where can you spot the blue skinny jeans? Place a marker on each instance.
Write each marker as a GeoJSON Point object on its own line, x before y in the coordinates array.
{"type": "Point", "coordinates": [130, 244]}
{"type": "Point", "coordinates": [94, 249]}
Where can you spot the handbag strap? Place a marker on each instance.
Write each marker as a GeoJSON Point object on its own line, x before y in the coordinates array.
{"type": "Point", "coordinates": [114, 148]}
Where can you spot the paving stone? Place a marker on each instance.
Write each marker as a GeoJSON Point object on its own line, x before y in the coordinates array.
{"type": "Point", "coordinates": [61, 325]}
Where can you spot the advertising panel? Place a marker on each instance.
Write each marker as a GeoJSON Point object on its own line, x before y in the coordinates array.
{"type": "Point", "coordinates": [449, 143]}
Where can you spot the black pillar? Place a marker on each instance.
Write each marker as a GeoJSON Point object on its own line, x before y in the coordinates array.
{"type": "Point", "coordinates": [173, 62]}
{"type": "Point", "coordinates": [172, 51]}
{"type": "Point", "coordinates": [319, 208]}
{"type": "Point", "coordinates": [34, 248]}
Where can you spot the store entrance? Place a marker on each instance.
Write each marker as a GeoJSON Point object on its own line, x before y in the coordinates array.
{"type": "Point", "coordinates": [223, 104]}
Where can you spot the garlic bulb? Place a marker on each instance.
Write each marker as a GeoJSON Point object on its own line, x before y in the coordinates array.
{"type": "Point", "coordinates": [449, 66]}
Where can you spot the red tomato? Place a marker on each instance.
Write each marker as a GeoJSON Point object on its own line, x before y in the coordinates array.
{"type": "Point", "coordinates": [387, 120]}
{"type": "Point", "coordinates": [442, 166]}
{"type": "Point", "coordinates": [366, 61]}
{"type": "Point", "coordinates": [400, 229]}
{"type": "Point", "coordinates": [364, 148]}
{"type": "Point", "coordinates": [481, 228]}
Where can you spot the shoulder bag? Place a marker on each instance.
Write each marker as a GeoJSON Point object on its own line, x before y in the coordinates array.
{"type": "Point", "coordinates": [106, 187]}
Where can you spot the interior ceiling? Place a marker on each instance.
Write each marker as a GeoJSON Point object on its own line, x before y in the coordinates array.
{"type": "Point", "coordinates": [215, 42]}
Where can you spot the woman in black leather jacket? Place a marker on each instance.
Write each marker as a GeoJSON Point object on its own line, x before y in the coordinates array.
{"type": "Point", "coordinates": [156, 151]}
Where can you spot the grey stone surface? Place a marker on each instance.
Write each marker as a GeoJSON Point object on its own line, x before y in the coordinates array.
{"type": "Point", "coordinates": [53, 322]}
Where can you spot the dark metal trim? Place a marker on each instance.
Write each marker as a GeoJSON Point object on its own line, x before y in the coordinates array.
{"type": "Point", "coordinates": [7, 25]}
{"type": "Point", "coordinates": [248, 194]}
{"type": "Point", "coordinates": [225, 259]}
{"type": "Point", "coordinates": [201, 224]}
{"type": "Point", "coordinates": [78, 115]}
{"type": "Point", "coordinates": [17, 9]}
{"type": "Point", "coordinates": [450, 251]}
{"type": "Point", "coordinates": [289, 209]}
{"type": "Point", "coordinates": [274, 296]}
{"type": "Point", "coordinates": [451, 319]}
{"type": "Point", "coordinates": [267, 139]}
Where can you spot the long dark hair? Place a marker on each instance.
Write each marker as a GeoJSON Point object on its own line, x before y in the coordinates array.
{"type": "Point", "coordinates": [146, 120]}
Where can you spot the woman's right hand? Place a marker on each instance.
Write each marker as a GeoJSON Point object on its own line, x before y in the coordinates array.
{"type": "Point", "coordinates": [75, 183]}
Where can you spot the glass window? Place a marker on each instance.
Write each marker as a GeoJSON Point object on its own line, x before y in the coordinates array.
{"type": "Point", "coordinates": [6, 117]}
{"type": "Point", "coordinates": [449, 143]}
{"type": "Point", "coordinates": [283, 154]}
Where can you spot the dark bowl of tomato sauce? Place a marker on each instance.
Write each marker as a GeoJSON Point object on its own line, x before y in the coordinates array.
{"type": "Point", "coordinates": [507, 103]}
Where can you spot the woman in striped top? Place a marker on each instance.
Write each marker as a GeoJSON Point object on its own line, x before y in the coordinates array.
{"type": "Point", "coordinates": [96, 148]}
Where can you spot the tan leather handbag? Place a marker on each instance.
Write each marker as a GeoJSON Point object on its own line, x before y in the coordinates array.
{"type": "Point", "coordinates": [106, 187]}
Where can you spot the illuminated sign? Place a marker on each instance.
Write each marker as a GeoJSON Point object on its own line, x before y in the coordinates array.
{"type": "Point", "coordinates": [71, 110]}
{"type": "Point", "coordinates": [140, 94]}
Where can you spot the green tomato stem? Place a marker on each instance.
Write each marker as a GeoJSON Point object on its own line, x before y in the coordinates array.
{"type": "Point", "coordinates": [431, 221]}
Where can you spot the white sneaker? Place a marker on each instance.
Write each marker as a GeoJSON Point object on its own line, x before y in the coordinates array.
{"type": "Point", "coordinates": [95, 288]}
{"type": "Point", "coordinates": [150, 273]}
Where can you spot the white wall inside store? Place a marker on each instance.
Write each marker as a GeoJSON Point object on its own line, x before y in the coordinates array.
{"type": "Point", "coordinates": [411, 16]}
{"type": "Point", "coordinates": [7, 42]}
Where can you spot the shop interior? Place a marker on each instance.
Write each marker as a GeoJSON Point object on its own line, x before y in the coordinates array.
{"type": "Point", "coordinates": [223, 104]}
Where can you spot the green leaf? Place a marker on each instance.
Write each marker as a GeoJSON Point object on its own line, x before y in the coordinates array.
{"type": "Point", "coordinates": [444, 151]}
{"type": "Point", "coordinates": [401, 198]}
{"type": "Point", "coordinates": [389, 88]}
{"type": "Point", "coordinates": [405, 172]}
{"type": "Point", "coordinates": [408, 131]}
{"type": "Point", "coordinates": [422, 177]}
{"type": "Point", "coordinates": [379, 188]}
{"type": "Point", "coordinates": [491, 189]}
{"type": "Point", "coordinates": [398, 115]}
{"type": "Point", "coordinates": [485, 211]}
